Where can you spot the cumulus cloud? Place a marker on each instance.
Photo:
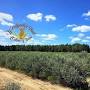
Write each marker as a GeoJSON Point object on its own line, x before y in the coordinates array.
{"type": "Point", "coordinates": [71, 25]}
{"type": "Point", "coordinates": [80, 38]}
{"type": "Point", "coordinates": [34, 42]}
{"type": "Point", "coordinates": [39, 16]}
{"type": "Point", "coordinates": [82, 28]}
{"type": "Point", "coordinates": [88, 37]}
{"type": "Point", "coordinates": [6, 19]}
{"type": "Point", "coordinates": [47, 36]}
{"type": "Point", "coordinates": [81, 35]}
{"type": "Point", "coordinates": [3, 42]}
{"type": "Point", "coordinates": [35, 17]}
{"type": "Point", "coordinates": [79, 28]}
{"type": "Point", "coordinates": [50, 18]}
{"type": "Point", "coordinates": [7, 23]}
{"type": "Point", "coordinates": [75, 39]}
{"type": "Point", "coordinates": [86, 14]}
{"type": "Point", "coordinates": [39, 39]}
{"type": "Point", "coordinates": [3, 37]}
{"type": "Point", "coordinates": [85, 41]}
{"type": "Point", "coordinates": [4, 34]}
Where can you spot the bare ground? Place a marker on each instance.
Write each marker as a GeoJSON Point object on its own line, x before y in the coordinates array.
{"type": "Point", "coordinates": [26, 82]}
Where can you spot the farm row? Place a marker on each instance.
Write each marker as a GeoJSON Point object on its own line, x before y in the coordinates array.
{"type": "Point", "coordinates": [68, 69]}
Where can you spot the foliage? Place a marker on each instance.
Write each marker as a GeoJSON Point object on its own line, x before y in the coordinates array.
{"type": "Point", "coordinates": [48, 48]}
{"type": "Point", "coordinates": [69, 69]}
{"type": "Point", "coordinates": [12, 86]}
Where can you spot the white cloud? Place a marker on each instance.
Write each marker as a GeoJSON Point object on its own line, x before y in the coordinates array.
{"type": "Point", "coordinates": [3, 38]}
{"type": "Point", "coordinates": [88, 37]}
{"type": "Point", "coordinates": [86, 14]}
{"type": "Point", "coordinates": [86, 18]}
{"type": "Point", "coordinates": [3, 42]}
{"type": "Point", "coordinates": [39, 39]}
{"type": "Point", "coordinates": [71, 25]}
{"type": "Point", "coordinates": [75, 39]}
{"type": "Point", "coordinates": [39, 16]}
{"type": "Point", "coordinates": [35, 17]}
{"type": "Point", "coordinates": [34, 42]}
{"type": "Point", "coordinates": [6, 19]}
{"type": "Point", "coordinates": [7, 23]}
{"type": "Point", "coordinates": [50, 18]}
{"type": "Point", "coordinates": [47, 36]}
{"type": "Point", "coordinates": [6, 16]}
{"type": "Point", "coordinates": [5, 34]}
{"type": "Point", "coordinates": [82, 28]}
{"type": "Point", "coordinates": [85, 41]}
{"type": "Point", "coordinates": [80, 38]}
{"type": "Point", "coordinates": [81, 35]}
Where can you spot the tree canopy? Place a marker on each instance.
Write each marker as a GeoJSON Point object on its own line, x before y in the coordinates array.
{"type": "Point", "coordinates": [48, 48]}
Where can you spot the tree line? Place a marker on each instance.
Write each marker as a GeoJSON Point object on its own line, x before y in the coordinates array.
{"type": "Point", "coordinates": [48, 48]}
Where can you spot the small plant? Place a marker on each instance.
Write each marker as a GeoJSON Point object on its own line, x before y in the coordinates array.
{"type": "Point", "coordinates": [12, 86]}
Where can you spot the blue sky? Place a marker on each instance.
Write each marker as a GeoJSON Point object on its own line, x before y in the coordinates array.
{"type": "Point", "coordinates": [54, 21]}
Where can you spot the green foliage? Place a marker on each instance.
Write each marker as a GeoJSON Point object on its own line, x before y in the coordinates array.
{"type": "Point", "coordinates": [49, 48]}
{"type": "Point", "coordinates": [69, 69]}
{"type": "Point", "coordinates": [12, 86]}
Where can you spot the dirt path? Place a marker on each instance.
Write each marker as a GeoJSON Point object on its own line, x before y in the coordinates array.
{"type": "Point", "coordinates": [27, 82]}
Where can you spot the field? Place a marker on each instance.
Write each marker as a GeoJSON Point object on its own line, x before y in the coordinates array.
{"type": "Point", "coordinates": [68, 69]}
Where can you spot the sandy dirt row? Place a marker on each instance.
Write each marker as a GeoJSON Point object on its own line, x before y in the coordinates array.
{"type": "Point", "coordinates": [26, 82]}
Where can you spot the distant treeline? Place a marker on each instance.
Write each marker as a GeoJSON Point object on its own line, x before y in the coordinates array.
{"type": "Point", "coordinates": [48, 48]}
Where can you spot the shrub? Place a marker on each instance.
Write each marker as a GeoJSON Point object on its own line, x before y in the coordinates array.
{"type": "Point", "coordinates": [69, 69]}
{"type": "Point", "coordinates": [12, 86]}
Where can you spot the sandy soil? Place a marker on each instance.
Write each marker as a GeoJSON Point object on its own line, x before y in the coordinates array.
{"type": "Point", "coordinates": [26, 82]}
